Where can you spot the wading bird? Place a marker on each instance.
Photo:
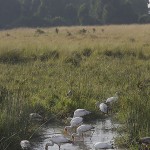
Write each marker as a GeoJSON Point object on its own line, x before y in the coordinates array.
{"type": "Point", "coordinates": [113, 99]}
{"type": "Point", "coordinates": [81, 112]}
{"type": "Point", "coordinates": [80, 130]}
{"type": "Point", "coordinates": [25, 145]}
{"type": "Point", "coordinates": [143, 141]}
{"type": "Point", "coordinates": [103, 107]}
{"type": "Point", "coordinates": [59, 140]}
{"type": "Point", "coordinates": [35, 117]}
{"type": "Point", "coordinates": [103, 145]}
{"type": "Point", "coordinates": [75, 122]}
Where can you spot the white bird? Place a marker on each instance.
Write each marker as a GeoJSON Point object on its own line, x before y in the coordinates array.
{"type": "Point", "coordinates": [25, 144]}
{"type": "Point", "coordinates": [81, 112]}
{"type": "Point", "coordinates": [104, 108]}
{"type": "Point", "coordinates": [103, 145]}
{"type": "Point", "coordinates": [113, 99]}
{"type": "Point", "coordinates": [75, 122]}
{"type": "Point", "coordinates": [35, 117]}
{"type": "Point", "coordinates": [59, 140]}
{"type": "Point", "coordinates": [82, 129]}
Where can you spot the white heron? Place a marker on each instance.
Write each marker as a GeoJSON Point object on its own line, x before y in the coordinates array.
{"type": "Point", "coordinates": [81, 112]}
{"type": "Point", "coordinates": [35, 117]}
{"type": "Point", "coordinates": [75, 122]}
{"type": "Point", "coordinates": [144, 141]}
{"type": "Point", "coordinates": [103, 145]}
{"type": "Point", "coordinates": [59, 140]}
{"type": "Point", "coordinates": [80, 130]}
{"type": "Point", "coordinates": [25, 144]}
{"type": "Point", "coordinates": [113, 99]}
{"type": "Point", "coordinates": [103, 107]}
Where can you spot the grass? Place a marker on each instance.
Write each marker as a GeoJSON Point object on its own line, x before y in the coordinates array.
{"type": "Point", "coordinates": [38, 67]}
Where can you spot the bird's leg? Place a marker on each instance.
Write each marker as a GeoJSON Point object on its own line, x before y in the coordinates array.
{"type": "Point", "coordinates": [59, 147]}
{"type": "Point", "coordinates": [92, 134]}
{"type": "Point", "coordinates": [82, 137]}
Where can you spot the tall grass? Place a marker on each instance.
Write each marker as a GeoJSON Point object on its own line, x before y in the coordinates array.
{"type": "Point", "coordinates": [37, 71]}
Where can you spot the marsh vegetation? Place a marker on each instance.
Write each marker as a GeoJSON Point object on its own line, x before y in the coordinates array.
{"type": "Point", "coordinates": [39, 66]}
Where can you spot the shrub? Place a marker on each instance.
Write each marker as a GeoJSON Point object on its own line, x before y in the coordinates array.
{"type": "Point", "coordinates": [13, 56]}
{"type": "Point", "coordinates": [49, 55]}
{"type": "Point", "coordinates": [75, 59]}
{"type": "Point", "coordinates": [87, 52]}
{"type": "Point", "coordinates": [115, 54]}
{"type": "Point", "coordinates": [39, 31]}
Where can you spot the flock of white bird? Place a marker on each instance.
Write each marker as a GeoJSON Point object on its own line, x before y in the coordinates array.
{"type": "Point", "coordinates": [76, 129]}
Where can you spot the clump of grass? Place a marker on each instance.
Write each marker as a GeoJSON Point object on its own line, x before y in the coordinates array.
{"type": "Point", "coordinates": [75, 59]}
{"type": "Point", "coordinates": [130, 53]}
{"type": "Point", "coordinates": [114, 53]}
{"type": "Point", "coordinates": [132, 40]}
{"type": "Point", "coordinates": [39, 31]}
{"type": "Point", "coordinates": [87, 52]}
{"type": "Point", "coordinates": [49, 55]}
{"type": "Point", "coordinates": [82, 31]}
{"type": "Point", "coordinates": [12, 56]}
{"type": "Point", "coordinates": [142, 56]}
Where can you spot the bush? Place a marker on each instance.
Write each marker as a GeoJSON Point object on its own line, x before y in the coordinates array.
{"type": "Point", "coordinates": [144, 19]}
{"type": "Point", "coordinates": [13, 56]}
{"type": "Point", "coordinates": [87, 52]}
{"type": "Point", "coordinates": [115, 54]}
{"type": "Point", "coordinates": [49, 55]}
{"type": "Point", "coordinates": [75, 59]}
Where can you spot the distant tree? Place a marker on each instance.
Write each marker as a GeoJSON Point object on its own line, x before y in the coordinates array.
{"type": "Point", "coordinates": [144, 19]}
{"type": "Point", "coordinates": [70, 14]}
{"type": "Point", "coordinates": [83, 14]}
{"type": "Point", "coordinates": [9, 12]}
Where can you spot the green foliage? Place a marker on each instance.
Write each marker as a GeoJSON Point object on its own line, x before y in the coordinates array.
{"type": "Point", "coordinates": [35, 13]}
{"type": "Point", "coordinates": [144, 19]}
{"type": "Point", "coordinates": [83, 14]}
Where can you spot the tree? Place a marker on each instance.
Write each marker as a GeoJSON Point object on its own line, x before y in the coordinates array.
{"type": "Point", "coordinates": [83, 14]}
{"type": "Point", "coordinates": [70, 14]}
{"type": "Point", "coordinates": [9, 12]}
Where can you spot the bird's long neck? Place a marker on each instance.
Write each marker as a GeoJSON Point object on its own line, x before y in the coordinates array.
{"type": "Point", "coordinates": [49, 144]}
{"type": "Point", "coordinates": [116, 95]}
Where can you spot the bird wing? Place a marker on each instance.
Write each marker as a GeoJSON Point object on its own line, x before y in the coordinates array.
{"type": "Point", "coordinates": [84, 128]}
{"type": "Point", "coordinates": [81, 112]}
{"type": "Point", "coordinates": [59, 139]}
{"type": "Point", "coordinates": [76, 121]}
{"type": "Point", "coordinates": [110, 99]}
{"type": "Point", "coordinates": [102, 145]}
{"type": "Point", "coordinates": [25, 144]}
{"type": "Point", "coordinates": [103, 107]}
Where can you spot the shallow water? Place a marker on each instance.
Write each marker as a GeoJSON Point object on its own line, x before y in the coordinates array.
{"type": "Point", "coordinates": [105, 130]}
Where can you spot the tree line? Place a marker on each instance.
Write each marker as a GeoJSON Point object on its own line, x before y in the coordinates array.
{"type": "Point", "coordinates": [35, 13]}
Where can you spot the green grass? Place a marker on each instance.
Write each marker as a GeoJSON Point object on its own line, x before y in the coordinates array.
{"type": "Point", "coordinates": [37, 71]}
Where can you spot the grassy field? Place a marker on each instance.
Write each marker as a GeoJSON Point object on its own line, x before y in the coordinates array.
{"type": "Point", "coordinates": [39, 66]}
